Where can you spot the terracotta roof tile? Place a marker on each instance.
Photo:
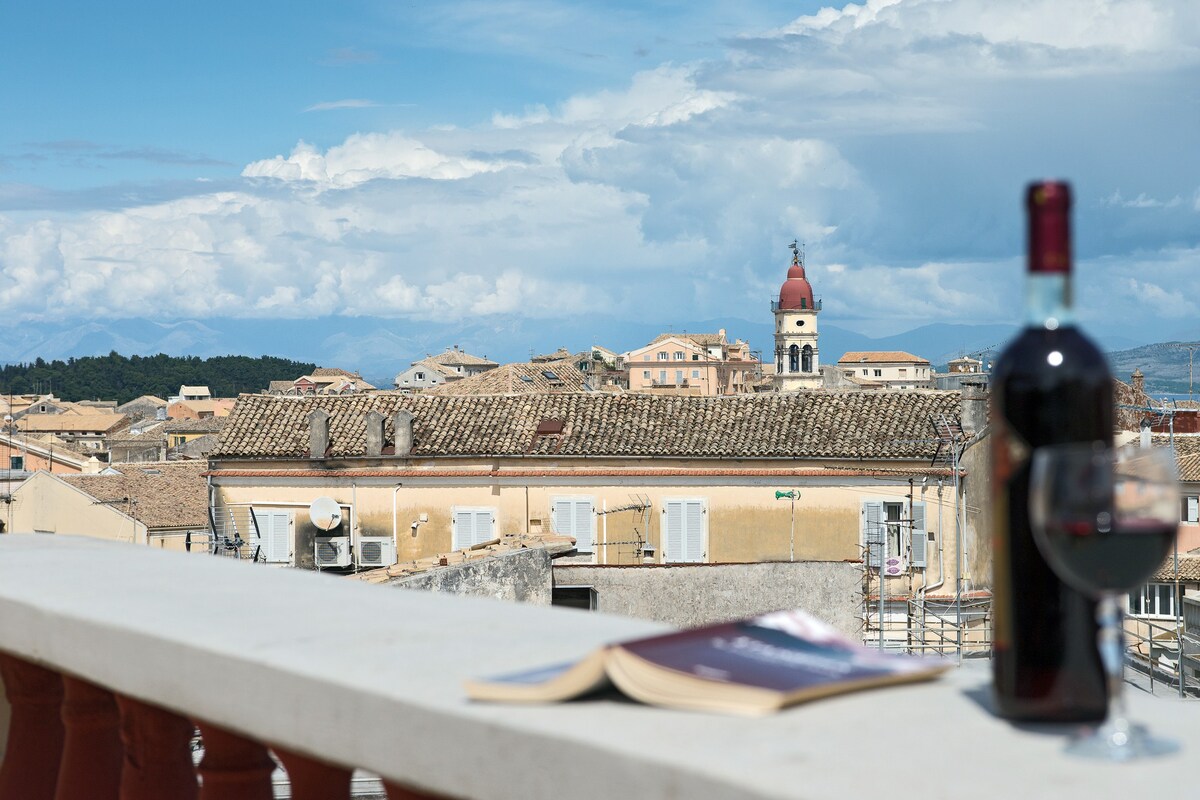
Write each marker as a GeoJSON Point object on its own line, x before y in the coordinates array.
{"type": "Point", "coordinates": [204, 425]}
{"type": "Point", "coordinates": [459, 357]}
{"type": "Point", "coordinates": [159, 494]}
{"type": "Point", "coordinates": [880, 357]}
{"type": "Point", "coordinates": [530, 378]}
{"type": "Point", "coordinates": [1189, 569]}
{"type": "Point", "coordinates": [849, 424]}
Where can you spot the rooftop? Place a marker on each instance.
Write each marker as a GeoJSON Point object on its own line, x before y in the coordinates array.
{"type": "Point", "coordinates": [455, 357]}
{"type": "Point", "coordinates": [520, 378]}
{"type": "Point", "coordinates": [881, 357]}
{"type": "Point", "coordinates": [162, 494]}
{"type": "Point", "coordinates": [840, 425]}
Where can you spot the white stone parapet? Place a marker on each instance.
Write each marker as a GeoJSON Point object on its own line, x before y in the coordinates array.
{"type": "Point", "coordinates": [369, 676]}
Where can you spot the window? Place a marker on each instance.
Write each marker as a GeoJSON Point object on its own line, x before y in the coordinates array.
{"type": "Point", "coordinates": [695, 374]}
{"type": "Point", "coordinates": [678, 355]}
{"type": "Point", "coordinates": [663, 356]}
{"type": "Point", "coordinates": [662, 376]}
{"type": "Point", "coordinates": [865, 371]}
{"type": "Point", "coordinates": [806, 359]}
{"type": "Point", "coordinates": [695, 356]}
{"type": "Point", "coordinates": [1189, 508]}
{"type": "Point", "coordinates": [906, 538]}
{"type": "Point", "coordinates": [1153, 600]}
{"type": "Point", "coordinates": [678, 377]}
{"type": "Point", "coordinates": [176, 441]}
{"type": "Point", "coordinates": [878, 373]}
{"type": "Point", "coordinates": [16, 463]}
{"type": "Point", "coordinates": [794, 358]}
{"type": "Point", "coordinates": [420, 376]}
{"type": "Point", "coordinates": [683, 530]}
{"type": "Point", "coordinates": [572, 516]}
{"type": "Point", "coordinates": [471, 525]}
{"type": "Point", "coordinates": [646, 374]}
{"type": "Point", "coordinates": [274, 537]}
{"type": "Point", "coordinates": [903, 372]}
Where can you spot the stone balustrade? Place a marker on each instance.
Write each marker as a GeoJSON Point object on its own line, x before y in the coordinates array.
{"type": "Point", "coordinates": [113, 655]}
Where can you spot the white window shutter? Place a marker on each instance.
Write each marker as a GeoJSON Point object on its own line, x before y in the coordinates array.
{"type": "Point", "coordinates": [919, 535]}
{"type": "Point", "coordinates": [582, 525]}
{"type": "Point", "coordinates": [273, 535]}
{"type": "Point", "coordinates": [694, 538]}
{"type": "Point", "coordinates": [560, 517]}
{"type": "Point", "coordinates": [873, 532]}
{"type": "Point", "coordinates": [673, 524]}
{"type": "Point", "coordinates": [483, 526]}
{"type": "Point", "coordinates": [464, 527]}
{"type": "Point", "coordinates": [1193, 508]}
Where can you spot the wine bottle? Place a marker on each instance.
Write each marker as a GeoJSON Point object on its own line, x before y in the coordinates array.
{"type": "Point", "coordinates": [1049, 386]}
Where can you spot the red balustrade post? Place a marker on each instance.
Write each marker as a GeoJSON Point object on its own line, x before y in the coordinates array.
{"type": "Point", "coordinates": [35, 730]}
{"type": "Point", "coordinates": [92, 754]}
{"type": "Point", "coordinates": [233, 767]}
{"type": "Point", "coordinates": [158, 753]}
{"type": "Point", "coordinates": [314, 780]}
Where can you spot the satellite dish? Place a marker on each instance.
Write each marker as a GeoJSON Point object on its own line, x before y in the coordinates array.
{"type": "Point", "coordinates": [325, 513]}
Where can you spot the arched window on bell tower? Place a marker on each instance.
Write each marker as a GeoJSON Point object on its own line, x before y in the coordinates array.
{"type": "Point", "coordinates": [793, 359]}
{"type": "Point", "coordinates": [806, 359]}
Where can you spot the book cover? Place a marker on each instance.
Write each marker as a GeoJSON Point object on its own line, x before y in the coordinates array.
{"type": "Point", "coordinates": [750, 666]}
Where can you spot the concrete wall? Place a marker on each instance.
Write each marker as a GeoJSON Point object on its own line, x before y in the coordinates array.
{"type": "Point", "coordinates": [691, 595]}
{"type": "Point", "coordinates": [522, 577]}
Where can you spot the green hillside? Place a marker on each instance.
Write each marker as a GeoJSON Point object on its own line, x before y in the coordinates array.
{"type": "Point", "coordinates": [1165, 366]}
{"type": "Point", "coordinates": [115, 377]}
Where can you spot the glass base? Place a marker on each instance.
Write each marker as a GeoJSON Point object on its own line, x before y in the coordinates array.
{"type": "Point", "coordinates": [1118, 740]}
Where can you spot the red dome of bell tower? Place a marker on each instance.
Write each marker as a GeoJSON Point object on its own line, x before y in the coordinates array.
{"type": "Point", "coordinates": [796, 292]}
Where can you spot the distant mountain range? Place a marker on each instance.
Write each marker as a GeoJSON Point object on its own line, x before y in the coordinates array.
{"type": "Point", "coordinates": [380, 347]}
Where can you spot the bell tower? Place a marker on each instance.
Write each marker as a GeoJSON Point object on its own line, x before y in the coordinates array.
{"type": "Point", "coordinates": [796, 355]}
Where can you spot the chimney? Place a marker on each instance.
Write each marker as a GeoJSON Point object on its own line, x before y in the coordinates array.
{"type": "Point", "coordinates": [404, 432]}
{"type": "Point", "coordinates": [1138, 381]}
{"type": "Point", "coordinates": [318, 433]}
{"type": "Point", "coordinates": [973, 407]}
{"type": "Point", "coordinates": [374, 445]}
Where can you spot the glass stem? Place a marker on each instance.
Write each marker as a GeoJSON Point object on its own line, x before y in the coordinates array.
{"type": "Point", "coordinates": [1111, 642]}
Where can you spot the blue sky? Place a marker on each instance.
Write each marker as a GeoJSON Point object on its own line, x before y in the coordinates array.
{"type": "Point", "coordinates": [543, 159]}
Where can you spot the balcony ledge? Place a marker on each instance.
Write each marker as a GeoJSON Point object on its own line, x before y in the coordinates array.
{"type": "Point", "coordinates": [371, 677]}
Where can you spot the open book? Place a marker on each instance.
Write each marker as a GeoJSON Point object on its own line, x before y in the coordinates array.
{"type": "Point", "coordinates": [749, 667]}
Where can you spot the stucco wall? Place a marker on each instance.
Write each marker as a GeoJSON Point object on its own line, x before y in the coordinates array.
{"type": "Point", "coordinates": [522, 577]}
{"type": "Point", "coordinates": [47, 505]}
{"type": "Point", "coordinates": [690, 595]}
{"type": "Point", "coordinates": [744, 522]}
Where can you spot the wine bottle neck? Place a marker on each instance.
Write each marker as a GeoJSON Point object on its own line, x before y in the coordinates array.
{"type": "Point", "coordinates": [1048, 300]}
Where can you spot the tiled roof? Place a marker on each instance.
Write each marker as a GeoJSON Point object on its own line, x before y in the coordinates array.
{"type": "Point", "coordinates": [852, 425]}
{"type": "Point", "coordinates": [158, 494]}
{"type": "Point", "coordinates": [333, 372]}
{"type": "Point", "coordinates": [205, 425]}
{"type": "Point", "coordinates": [1189, 569]}
{"type": "Point", "coordinates": [441, 369]}
{"type": "Point", "coordinates": [702, 339]}
{"type": "Point", "coordinates": [71, 423]}
{"type": "Point", "coordinates": [459, 357]}
{"type": "Point", "coordinates": [880, 357]}
{"type": "Point", "coordinates": [518, 379]}
{"type": "Point", "coordinates": [557, 355]}
{"type": "Point", "coordinates": [281, 386]}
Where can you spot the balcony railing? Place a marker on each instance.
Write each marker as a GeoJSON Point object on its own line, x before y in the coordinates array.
{"type": "Point", "coordinates": [114, 654]}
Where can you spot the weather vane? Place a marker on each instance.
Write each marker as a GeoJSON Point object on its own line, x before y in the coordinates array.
{"type": "Point", "coordinates": [797, 252]}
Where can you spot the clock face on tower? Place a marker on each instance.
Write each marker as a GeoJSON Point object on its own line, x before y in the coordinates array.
{"type": "Point", "coordinates": [799, 323]}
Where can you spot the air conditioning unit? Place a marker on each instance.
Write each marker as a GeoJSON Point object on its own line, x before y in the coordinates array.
{"type": "Point", "coordinates": [894, 566]}
{"type": "Point", "coordinates": [376, 551]}
{"type": "Point", "coordinates": [332, 551]}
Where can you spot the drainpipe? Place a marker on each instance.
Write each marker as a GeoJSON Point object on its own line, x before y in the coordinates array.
{"type": "Point", "coordinates": [395, 530]}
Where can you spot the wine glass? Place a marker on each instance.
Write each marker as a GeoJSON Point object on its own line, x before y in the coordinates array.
{"type": "Point", "coordinates": [1104, 520]}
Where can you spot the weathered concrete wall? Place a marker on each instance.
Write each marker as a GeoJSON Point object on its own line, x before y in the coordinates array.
{"type": "Point", "coordinates": [686, 595]}
{"type": "Point", "coordinates": [522, 577]}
